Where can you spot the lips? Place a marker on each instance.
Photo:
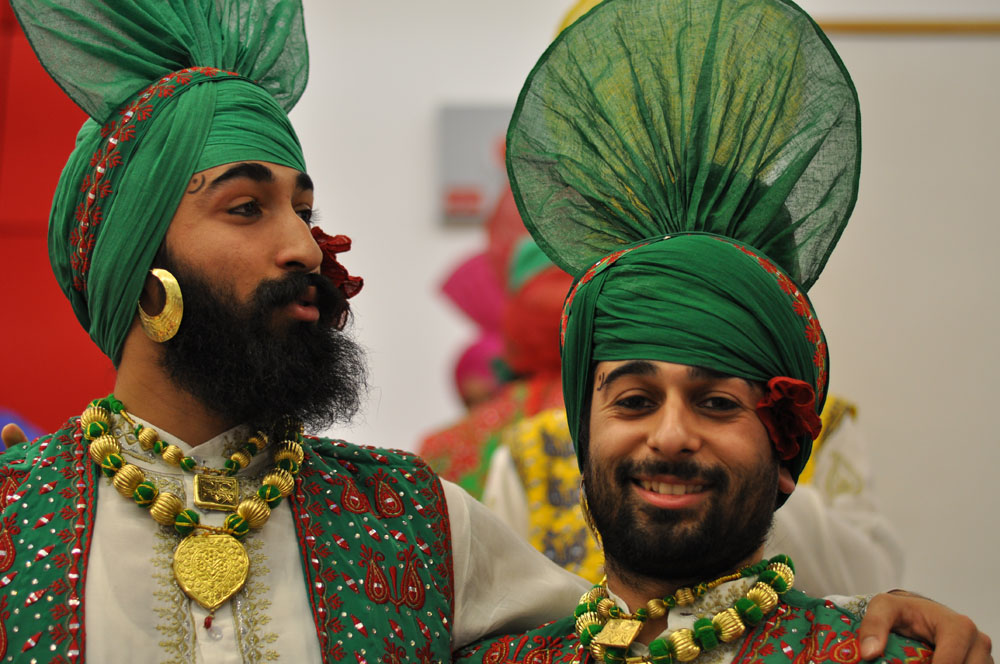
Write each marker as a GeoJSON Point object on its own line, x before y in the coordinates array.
{"type": "Point", "coordinates": [669, 489]}
{"type": "Point", "coordinates": [670, 493]}
{"type": "Point", "coordinates": [304, 308]}
{"type": "Point", "coordinates": [308, 298]}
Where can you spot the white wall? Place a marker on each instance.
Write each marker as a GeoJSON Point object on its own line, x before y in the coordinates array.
{"type": "Point", "coordinates": [909, 300]}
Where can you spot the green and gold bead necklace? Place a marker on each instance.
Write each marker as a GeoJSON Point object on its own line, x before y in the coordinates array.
{"type": "Point", "coordinates": [609, 632]}
{"type": "Point", "coordinates": [210, 564]}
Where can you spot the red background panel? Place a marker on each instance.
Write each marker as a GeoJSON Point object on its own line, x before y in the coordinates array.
{"type": "Point", "coordinates": [49, 368]}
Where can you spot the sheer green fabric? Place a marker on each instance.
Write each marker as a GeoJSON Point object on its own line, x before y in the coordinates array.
{"type": "Point", "coordinates": [733, 117]}
{"type": "Point", "coordinates": [708, 153]}
{"type": "Point", "coordinates": [172, 89]}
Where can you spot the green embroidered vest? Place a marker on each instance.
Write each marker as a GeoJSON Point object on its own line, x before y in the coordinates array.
{"type": "Point", "coordinates": [801, 630]}
{"type": "Point", "coordinates": [379, 514]}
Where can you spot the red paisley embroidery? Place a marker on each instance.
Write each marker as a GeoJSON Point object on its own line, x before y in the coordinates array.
{"type": "Point", "coordinates": [387, 502]}
{"type": "Point", "coordinates": [376, 585]}
{"type": "Point", "coordinates": [352, 499]}
{"type": "Point", "coordinates": [411, 587]}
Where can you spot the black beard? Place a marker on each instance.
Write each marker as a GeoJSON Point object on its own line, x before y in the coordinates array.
{"type": "Point", "coordinates": [642, 542]}
{"type": "Point", "coordinates": [233, 360]}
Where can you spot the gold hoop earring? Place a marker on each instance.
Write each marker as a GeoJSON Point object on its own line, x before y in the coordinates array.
{"type": "Point", "coordinates": [165, 324]}
{"type": "Point", "coordinates": [588, 518]}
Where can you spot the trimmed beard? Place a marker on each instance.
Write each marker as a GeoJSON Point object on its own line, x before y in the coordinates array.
{"type": "Point", "coordinates": [235, 360]}
{"type": "Point", "coordinates": [643, 542]}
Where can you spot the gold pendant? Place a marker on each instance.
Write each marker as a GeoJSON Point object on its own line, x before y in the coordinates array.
{"type": "Point", "coordinates": [210, 568]}
{"type": "Point", "coordinates": [215, 492]}
{"type": "Point", "coordinates": [618, 633]}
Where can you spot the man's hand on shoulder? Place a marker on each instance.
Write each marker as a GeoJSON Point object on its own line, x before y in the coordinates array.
{"type": "Point", "coordinates": [12, 435]}
{"type": "Point", "coordinates": [955, 638]}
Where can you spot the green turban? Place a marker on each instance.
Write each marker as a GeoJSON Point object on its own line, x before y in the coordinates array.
{"type": "Point", "coordinates": [171, 89]}
{"type": "Point", "coordinates": [693, 163]}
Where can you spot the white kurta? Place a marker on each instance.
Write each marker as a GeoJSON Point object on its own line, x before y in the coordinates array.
{"type": "Point", "coordinates": [136, 612]}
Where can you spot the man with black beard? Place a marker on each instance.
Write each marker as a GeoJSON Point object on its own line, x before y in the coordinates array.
{"type": "Point", "coordinates": [187, 516]}
{"type": "Point", "coordinates": [226, 353]}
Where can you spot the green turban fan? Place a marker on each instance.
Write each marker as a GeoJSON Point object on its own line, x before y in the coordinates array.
{"type": "Point", "coordinates": [171, 88]}
{"type": "Point", "coordinates": [692, 163]}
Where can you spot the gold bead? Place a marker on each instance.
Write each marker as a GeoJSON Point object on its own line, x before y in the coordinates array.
{"type": "Point", "coordinates": [604, 607]}
{"type": "Point", "coordinates": [165, 508]}
{"type": "Point", "coordinates": [172, 455]}
{"type": "Point", "coordinates": [282, 480]}
{"type": "Point", "coordinates": [684, 645]}
{"type": "Point", "coordinates": [597, 650]}
{"type": "Point", "coordinates": [290, 450]}
{"type": "Point", "coordinates": [585, 619]}
{"type": "Point", "coordinates": [259, 440]}
{"type": "Point", "coordinates": [656, 608]}
{"type": "Point", "coordinates": [728, 625]}
{"type": "Point", "coordinates": [95, 414]}
{"type": "Point", "coordinates": [594, 595]}
{"type": "Point", "coordinates": [784, 571]}
{"type": "Point", "coordinates": [254, 511]}
{"type": "Point", "coordinates": [241, 458]}
{"type": "Point", "coordinates": [763, 596]}
{"type": "Point", "coordinates": [684, 597]}
{"type": "Point", "coordinates": [102, 446]}
{"type": "Point", "coordinates": [148, 438]}
{"type": "Point", "coordinates": [127, 479]}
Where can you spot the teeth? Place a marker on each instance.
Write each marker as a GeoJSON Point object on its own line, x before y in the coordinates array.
{"type": "Point", "coordinates": [670, 489]}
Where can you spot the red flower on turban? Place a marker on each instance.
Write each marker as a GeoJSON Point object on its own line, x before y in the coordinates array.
{"type": "Point", "coordinates": [331, 267]}
{"type": "Point", "coordinates": [788, 410]}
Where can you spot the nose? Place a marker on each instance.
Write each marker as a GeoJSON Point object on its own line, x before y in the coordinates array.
{"type": "Point", "coordinates": [674, 430]}
{"type": "Point", "coordinates": [298, 250]}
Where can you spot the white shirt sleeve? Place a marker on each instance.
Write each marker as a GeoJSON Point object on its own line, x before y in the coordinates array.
{"type": "Point", "coordinates": [834, 527]}
{"type": "Point", "coordinates": [502, 584]}
{"type": "Point", "coordinates": [504, 493]}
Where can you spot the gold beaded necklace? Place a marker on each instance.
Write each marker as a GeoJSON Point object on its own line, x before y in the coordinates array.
{"type": "Point", "coordinates": [608, 632]}
{"type": "Point", "coordinates": [210, 564]}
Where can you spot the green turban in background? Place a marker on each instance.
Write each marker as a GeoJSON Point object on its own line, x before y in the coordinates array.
{"type": "Point", "coordinates": [692, 163]}
{"type": "Point", "coordinates": [171, 88]}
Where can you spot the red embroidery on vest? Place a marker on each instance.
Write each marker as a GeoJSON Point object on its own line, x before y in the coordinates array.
{"type": "Point", "coordinates": [845, 652]}
{"type": "Point", "coordinates": [393, 654]}
{"type": "Point", "coordinates": [918, 655]}
{"type": "Point", "coordinates": [4, 614]}
{"type": "Point", "coordinates": [386, 500]}
{"type": "Point", "coordinates": [405, 590]}
{"type": "Point", "coordinates": [351, 497]}
{"type": "Point", "coordinates": [376, 585]}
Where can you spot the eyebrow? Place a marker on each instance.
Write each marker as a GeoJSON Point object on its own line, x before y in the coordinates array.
{"type": "Point", "coordinates": [701, 373]}
{"type": "Point", "coordinates": [633, 368]}
{"type": "Point", "coordinates": [257, 173]}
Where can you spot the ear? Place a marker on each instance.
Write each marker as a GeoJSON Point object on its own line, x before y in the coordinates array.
{"type": "Point", "coordinates": [785, 482]}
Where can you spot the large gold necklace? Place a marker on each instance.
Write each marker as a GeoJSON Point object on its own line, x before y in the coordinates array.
{"type": "Point", "coordinates": [608, 632]}
{"type": "Point", "coordinates": [210, 564]}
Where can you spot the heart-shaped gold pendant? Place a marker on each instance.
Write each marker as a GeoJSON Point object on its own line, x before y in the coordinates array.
{"type": "Point", "coordinates": [210, 568]}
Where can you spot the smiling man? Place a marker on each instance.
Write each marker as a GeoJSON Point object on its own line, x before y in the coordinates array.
{"type": "Point", "coordinates": [693, 163]}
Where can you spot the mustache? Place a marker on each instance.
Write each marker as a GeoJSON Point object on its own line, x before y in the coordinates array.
{"type": "Point", "coordinates": [684, 470]}
{"type": "Point", "coordinates": [276, 293]}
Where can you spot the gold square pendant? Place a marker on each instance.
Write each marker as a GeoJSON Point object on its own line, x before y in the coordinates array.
{"type": "Point", "coordinates": [215, 492]}
{"type": "Point", "coordinates": [618, 633]}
